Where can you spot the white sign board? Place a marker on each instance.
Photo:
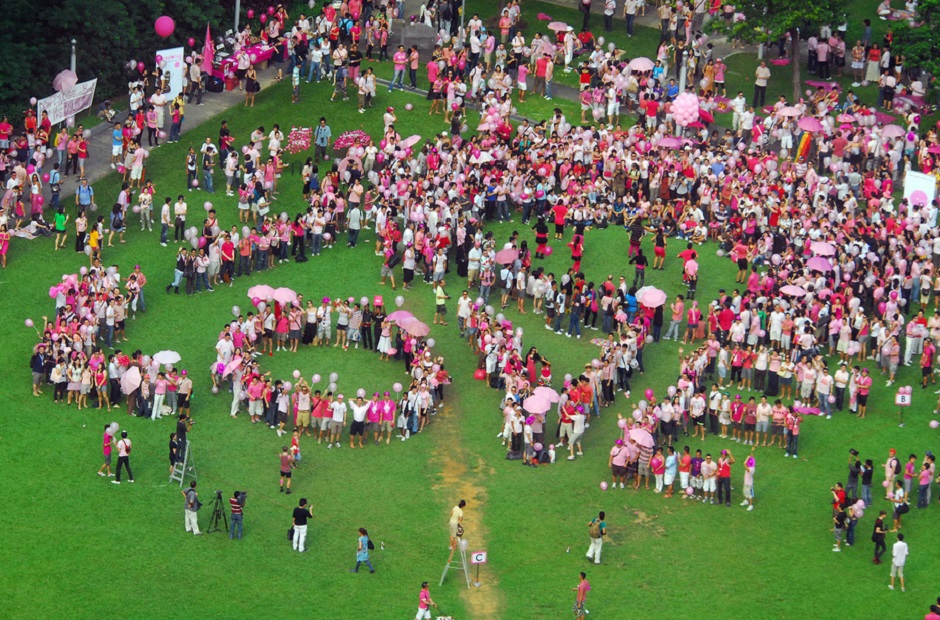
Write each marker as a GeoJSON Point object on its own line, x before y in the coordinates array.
{"type": "Point", "coordinates": [172, 63]}
{"type": "Point", "coordinates": [924, 185]}
{"type": "Point", "coordinates": [68, 103]}
{"type": "Point", "coordinates": [478, 557]}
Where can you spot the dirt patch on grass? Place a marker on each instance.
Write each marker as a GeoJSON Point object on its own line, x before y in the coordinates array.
{"type": "Point", "coordinates": [458, 482]}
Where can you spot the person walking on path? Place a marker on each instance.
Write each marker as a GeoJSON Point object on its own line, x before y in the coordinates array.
{"type": "Point", "coordinates": [456, 526]}
{"type": "Point", "coordinates": [362, 551]}
{"type": "Point", "coordinates": [899, 553]}
{"type": "Point", "coordinates": [597, 529]}
{"type": "Point", "coordinates": [582, 589]}
{"type": "Point", "coordinates": [191, 505]}
{"type": "Point", "coordinates": [299, 522]}
{"type": "Point", "coordinates": [124, 455]}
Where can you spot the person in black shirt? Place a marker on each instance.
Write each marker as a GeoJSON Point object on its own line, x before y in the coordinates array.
{"type": "Point", "coordinates": [867, 471]}
{"type": "Point", "coordinates": [182, 427]}
{"type": "Point", "coordinates": [878, 537]}
{"type": "Point", "coordinates": [855, 467]}
{"type": "Point", "coordinates": [180, 269]}
{"type": "Point", "coordinates": [641, 262]}
{"type": "Point", "coordinates": [299, 521]}
{"type": "Point", "coordinates": [838, 528]}
{"type": "Point", "coordinates": [174, 452]}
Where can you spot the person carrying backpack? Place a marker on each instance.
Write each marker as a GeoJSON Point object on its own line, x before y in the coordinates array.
{"type": "Point", "coordinates": [597, 529]}
{"type": "Point", "coordinates": [892, 471]}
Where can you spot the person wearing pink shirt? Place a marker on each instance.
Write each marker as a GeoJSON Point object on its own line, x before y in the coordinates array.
{"type": "Point", "coordinates": [413, 59]}
{"type": "Point", "coordinates": [387, 408]}
{"type": "Point", "coordinates": [159, 396]}
{"type": "Point", "coordinates": [400, 58]}
{"type": "Point", "coordinates": [678, 311]}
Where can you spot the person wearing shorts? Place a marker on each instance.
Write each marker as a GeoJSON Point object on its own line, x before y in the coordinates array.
{"type": "Point", "coordinates": [709, 470]}
{"type": "Point", "coordinates": [287, 463]}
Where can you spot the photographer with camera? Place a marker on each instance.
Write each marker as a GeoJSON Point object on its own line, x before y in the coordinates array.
{"type": "Point", "coordinates": [237, 504]}
{"type": "Point", "coordinates": [191, 505]}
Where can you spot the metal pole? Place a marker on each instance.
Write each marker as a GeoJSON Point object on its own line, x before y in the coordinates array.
{"type": "Point", "coordinates": [238, 10]}
{"type": "Point", "coordinates": [73, 56]}
{"type": "Point", "coordinates": [463, 12]}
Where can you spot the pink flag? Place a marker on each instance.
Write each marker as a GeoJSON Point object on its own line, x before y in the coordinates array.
{"type": "Point", "coordinates": [208, 53]}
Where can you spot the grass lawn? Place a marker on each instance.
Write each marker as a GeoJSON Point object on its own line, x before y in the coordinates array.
{"type": "Point", "coordinates": [124, 547]}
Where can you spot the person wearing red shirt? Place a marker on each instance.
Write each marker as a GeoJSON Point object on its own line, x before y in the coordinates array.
{"type": "Point", "coordinates": [838, 498]}
{"type": "Point", "coordinates": [725, 461]}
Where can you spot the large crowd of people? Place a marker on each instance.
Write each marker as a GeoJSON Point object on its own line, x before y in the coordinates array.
{"type": "Point", "coordinates": [837, 278]}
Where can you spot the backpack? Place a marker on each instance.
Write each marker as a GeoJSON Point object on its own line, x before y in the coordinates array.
{"type": "Point", "coordinates": [897, 467]}
{"type": "Point", "coordinates": [370, 545]}
{"type": "Point", "coordinates": [595, 530]}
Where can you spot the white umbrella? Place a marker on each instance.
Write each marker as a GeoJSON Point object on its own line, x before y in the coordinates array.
{"type": "Point", "coordinates": [166, 357]}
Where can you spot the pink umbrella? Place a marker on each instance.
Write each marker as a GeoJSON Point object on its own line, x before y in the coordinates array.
{"type": "Point", "coordinates": [414, 327]}
{"type": "Point", "coordinates": [506, 257]}
{"type": "Point", "coordinates": [536, 404]}
{"type": "Point", "coordinates": [642, 437]}
{"type": "Point", "coordinates": [789, 111]}
{"type": "Point", "coordinates": [284, 296]}
{"type": "Point", "coordinates": [345, 163]}
{"type": "Point", "coordinates": [64, 80]}
{"type": "Point", "coordinates": [810, 124]}
{"type": "Point", "coordinates": [793, 290]}
{"type": "Point", "coordinates": [261, 291]}
{"type": "Point", "coordinates": [399, 315]}
{"type": "Point", "coordinates": [933, 150]}
{"type": "Point", "coordinates": [818, 263]}
{"type": "Point", "coordinates": [548, 393]}
{"type": "Point", "coordinates": [705, 115]}
{"type": "Point", "coordinates": [131, 380]}
{"type": "Point", "coordinates": [846, 118]}
{"type": "Point", "coordinates": [669, 143]}
{"type": "Point", "coordinates": [652, 298]}
{"type": "Point", "coordinates": [892, 131]}
{"type": "Point", "coordinates": [409, 141]}
{"type": "Point", "coordinates": [558, 26]}
{"type": "Point", "coordinates": [641, 64]}
{"type": "Point", "coordinates": [232, 366]}
{"type": "Point", "coordinates": [822, 248]}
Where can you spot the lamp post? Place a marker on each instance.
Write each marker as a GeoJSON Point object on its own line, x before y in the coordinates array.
{"type": "Point", "coordinates": [683, 70]}
{"type": "Point", "coordinates": [73, 55]}
{"type": "Point", "coordinates": [238, 10]}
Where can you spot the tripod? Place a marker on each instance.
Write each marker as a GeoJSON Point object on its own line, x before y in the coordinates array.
{"type": "Point", "coordinates": [218, 515]}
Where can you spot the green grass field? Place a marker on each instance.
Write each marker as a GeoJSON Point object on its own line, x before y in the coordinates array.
{"type": "Point", "coordinates": [73, 542]}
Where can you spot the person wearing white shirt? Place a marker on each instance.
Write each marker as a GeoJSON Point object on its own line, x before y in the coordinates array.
{"type": "Point", "coordinates": [738, 106]}
{"type": "Point", "coordinates": [338, 422]}
{"type": "Point", "coordinates": [358, 428]}
{"type": "Point", "coordinates": [899, 552]}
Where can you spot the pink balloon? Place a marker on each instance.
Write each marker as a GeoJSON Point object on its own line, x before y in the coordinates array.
{"type": "Point", "coordinates": [934, 423]}
{"type": "Point", "coordinates": [649, 393]}
{"type": "Point", "coordinates": [689, 491]}
{"type": "Point", "coordinates": [270, 10]}
{"type": "Point", "coordinates": [885, 484]}
{"type": "Point", "coordinates": [191, 42]}
{"type": "Point", "coordinates": [263, 18]}
{"type": "Point", "coordinates": [604, 485]}
{"type": "Point", "coordinates": [45, 177]}
{"type": "Point", "coordinates": [141, 66]}
{"type": "Point", "coordinates": [548, 251]}
{"type": "Point", "coordinates": [164, 26]}
{"type": "Point", "coordinates": [622, 423]}
{"type": "Point", "coordinates": [159, 58]}
{"type": "Point", "coordinates": [251, 13]}
{"type": "Point", "coordinates": [29, 322]}
{"type": "Point", "coordinates": [380, 157]}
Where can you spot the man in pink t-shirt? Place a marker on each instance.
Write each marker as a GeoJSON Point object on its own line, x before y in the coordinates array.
{"type": "Point", "coordinates": [400, 58]}
{"type": "Point", "coordinates": [678, 311]}
{"type": "Point", "coordinates": [388, 409]}
{"type": "Point", "coordinates": [425, 602]}
{"type": "Point", "coordinates": [107, 445]}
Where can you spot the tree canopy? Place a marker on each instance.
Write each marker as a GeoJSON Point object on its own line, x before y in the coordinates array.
{"type": "Point", "coordinates": [36, 42]}
{"type": "Point", "coordinates": [765, 21]}
{"type": "Point", "coordinates": [920, 44]}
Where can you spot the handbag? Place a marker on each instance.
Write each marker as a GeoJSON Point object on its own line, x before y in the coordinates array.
{"type": "Point", "coordinates": [290, 534]}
